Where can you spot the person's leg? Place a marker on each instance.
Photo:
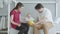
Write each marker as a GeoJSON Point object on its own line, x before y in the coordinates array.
{"type": "Point", "coordinates": [49, 25]}
{"type": "Point", "coordinates": [45, 29]}
{"type": "Point", "coordinates": [20, 32]}
{"type": "Point", "coordinates": [37, 28]}
{"type": "Point", "coordinates": [27, 28]}
{"type": "Point", "coordinates": [21, 29]}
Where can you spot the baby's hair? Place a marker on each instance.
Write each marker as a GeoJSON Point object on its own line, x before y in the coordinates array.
{"type": "Point", "coordinates": [28, 13]}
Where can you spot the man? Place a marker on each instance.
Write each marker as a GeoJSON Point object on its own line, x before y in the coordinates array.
{"type": "Point", "coordinates": [44, 20]}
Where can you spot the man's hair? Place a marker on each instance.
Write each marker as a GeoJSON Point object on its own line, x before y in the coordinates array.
{"type": "Point", "coordinates": [39, 6]}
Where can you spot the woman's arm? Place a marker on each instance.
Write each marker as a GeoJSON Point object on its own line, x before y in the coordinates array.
{"type": "Point", "coordinates": [11, 20]}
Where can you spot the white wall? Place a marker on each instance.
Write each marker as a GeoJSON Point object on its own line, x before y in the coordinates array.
{"type": "Point", "coordinates": [4, 10]}
{"type": "Point", "coordinates": [12, 5]}
{"type": "Point", "coordinates": [35, 0]}
{"type": "Point", "coordinates": [58, 8]}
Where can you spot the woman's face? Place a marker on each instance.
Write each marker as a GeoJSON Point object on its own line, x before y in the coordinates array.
{"type": "Point", "coordinates": [20, 8]}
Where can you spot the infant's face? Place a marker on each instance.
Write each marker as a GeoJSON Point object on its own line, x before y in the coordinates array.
{"type": "Point", "coordinates": [28, 15]}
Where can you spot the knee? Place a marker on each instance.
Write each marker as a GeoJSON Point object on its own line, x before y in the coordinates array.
{"type": "Point", "coordinates": [44, 26]}
{"type": "Point", "coordinates": [34, 26]}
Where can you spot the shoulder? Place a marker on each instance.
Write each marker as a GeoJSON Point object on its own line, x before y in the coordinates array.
{"type": "Point", "coordinates": [12, 12]}
{"type": "Point", "coordinates": [47, 10]}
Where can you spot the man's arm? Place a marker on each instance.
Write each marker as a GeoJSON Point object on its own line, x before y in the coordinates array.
{"type": "Point", "coordinates": [47, 16]}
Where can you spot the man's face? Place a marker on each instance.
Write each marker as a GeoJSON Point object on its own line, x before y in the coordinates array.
{"type": "Point", "coordinates": [40, 10]}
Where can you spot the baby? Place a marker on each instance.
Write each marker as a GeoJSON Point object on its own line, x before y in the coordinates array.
{"type": "Point", "coordinates": [29, 19]}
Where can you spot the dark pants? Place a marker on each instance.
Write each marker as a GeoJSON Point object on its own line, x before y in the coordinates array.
{"type": "Point", "coordinates": [23, 29]}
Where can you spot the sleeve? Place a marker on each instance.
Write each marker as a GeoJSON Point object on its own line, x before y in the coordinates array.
{"type": "Point", "coordinates": [12, 13]}
{"type": "Point", "coordinates": [26, 19]}
{"type": "Point", "coordinates": [48, 15]}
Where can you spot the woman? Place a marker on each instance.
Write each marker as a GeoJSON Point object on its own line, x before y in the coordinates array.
{"type": "Point", "coordinates": [15, 19]}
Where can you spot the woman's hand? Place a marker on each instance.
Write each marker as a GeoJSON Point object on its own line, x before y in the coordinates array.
{"type": "Point", "coordinates": [19, 25]}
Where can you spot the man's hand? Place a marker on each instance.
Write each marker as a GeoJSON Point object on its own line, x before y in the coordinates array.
{"type": "Point", "coordinates": [37, 18]}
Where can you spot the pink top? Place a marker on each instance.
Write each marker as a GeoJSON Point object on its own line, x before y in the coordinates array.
{"type": "Point", "coordinates": [16, 17]}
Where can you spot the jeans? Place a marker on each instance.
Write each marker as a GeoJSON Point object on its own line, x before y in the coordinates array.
{"type": "Point", "coordinates": [23, 29]}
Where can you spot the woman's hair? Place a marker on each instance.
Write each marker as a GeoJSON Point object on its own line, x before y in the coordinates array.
{"type": "Point", "coordinates": [19, 4]}
{"type": "Point", "coordinates": [38, 6]}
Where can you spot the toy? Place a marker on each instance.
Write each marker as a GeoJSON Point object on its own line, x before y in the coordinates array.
{"type": "Point", "coordinates": [31, 22]}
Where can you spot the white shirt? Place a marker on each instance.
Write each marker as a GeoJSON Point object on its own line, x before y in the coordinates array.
{"type": "Point", "coordinates": [46, 13]}
{"type": "Point", "coordinates": [28, 19]}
